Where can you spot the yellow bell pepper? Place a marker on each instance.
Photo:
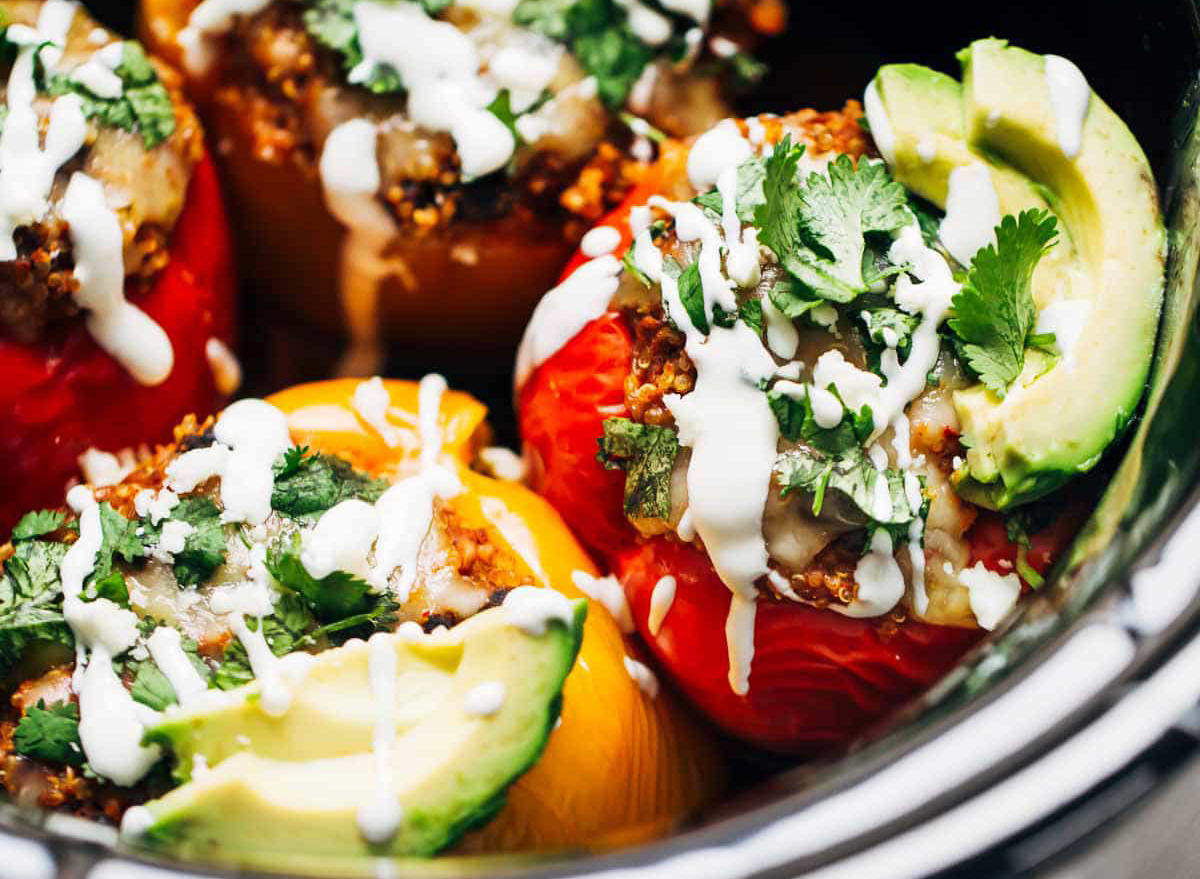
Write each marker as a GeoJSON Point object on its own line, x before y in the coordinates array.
{"type": "Point", "coordinates": [623, 767]}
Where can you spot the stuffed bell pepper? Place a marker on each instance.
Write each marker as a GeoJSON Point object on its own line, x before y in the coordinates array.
{"type": "Point", "coordinates": [821, 403]}
{"type": "Point", "coordinates": [115, 270]}
{"type": "Point", "coordinates": [418, 172]}
{"type": "Point", "coordinates": [308, 629]}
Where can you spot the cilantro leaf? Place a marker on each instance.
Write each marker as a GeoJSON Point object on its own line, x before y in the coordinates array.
{"type": "Point", "coordinates": [796, 423]}
{"type": "Point", "coordinates": [120, 538]}
{"type": "Point", "coordinates": [647, 455]}
{"type": "Point", "coordinates": [31, 600]}
{"type": "Point", "coordinates": [852, 476]}
{"type": "Point", "coordinates": [793, 299]}
{"type": "Point", "coordinates": [151, 687]}
{"type": "Point", "coordinates": [994, 313]}
{"type": "Point", "coordinates": [751, 314]}
{"type": "Point", "coordinates": [144, 104]}
{"type": "Point", "coordinates": [331, 23]}
{"type": "Point", "coordinates": [750, 176]}
{"type": "Point", "coordinates": [308, 484]}
{"type": "Point", "coordinates": [111, 587]}
{"type": "Point", "coordinates": [818, 227]}
{"type": "Point", "coordinates": [50, 734]}
{"type": "Point", "coordinates": [204, 548]}
{"type": "Point", "coordinates": [691, 294]}
{"type": "Point", "coordinates": [37, 523]}
{"type": "Point", "coordinates": [598, 34]}
{"type": "Point", "coordinates": [284, 631]}
{"type": "Point", "coordinates": [892, 325]}
{"type": "Point", "coordinates": [332, 597]}
{"type": "Point", "coordinates": [501, 108]}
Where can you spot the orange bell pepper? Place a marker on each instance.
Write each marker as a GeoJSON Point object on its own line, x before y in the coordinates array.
{"type": "Point", "coordinates": [623, 767]}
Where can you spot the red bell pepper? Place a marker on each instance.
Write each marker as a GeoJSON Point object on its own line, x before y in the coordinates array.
{"type": "Point", "coordinates": [64, 394]}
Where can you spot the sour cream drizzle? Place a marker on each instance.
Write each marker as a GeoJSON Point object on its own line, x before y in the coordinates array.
{"type": "Point", "coordinates": [727, 493]}
{"type": "Point", "coordinates": [380, 816]}
{"type": "Point", "coordinates": [396, 525]}
{"type": "Point", "coordinates": [111, 723]}
{"type": "Point", "coordinates": [1070, 96]}
{"type": "Point", "coordinates": [27, 171]}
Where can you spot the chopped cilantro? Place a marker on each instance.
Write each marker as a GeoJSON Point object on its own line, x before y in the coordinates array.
{"type": "Point", "coordinates": [598, 35]}
{"type": "Point", "coordinates": [151, 687]}
{"type": "Point", "coordinates": [37, 523]}
{"type": "Point", "coordinates": [144, 104]}
{"type": "Point", "coordinates": [994, 313]}
{"type": "Point", "coordinates": [204, 548]}
{"type": "Point", "coordinates": [851, 475]}
{"type": "Point", "coordinates": [793, 299]}
{"type": "Point", "coordinates": [501, 108]}
{"type": "Point", "coordinates": [750, 176]}
{"type": "Point", "coordinates": [31, 600]}
{"type": "Point", "coordinates": [884, 322]}
{"type": "Point", "coordinates": [817, 227]}
{"type": "Point", "coordinates": [929, 218]}
{"type": "Point", "coordinates": [50, 734]}
{"type": "Point", "coordinates": [796, 423]}
{"type": "Point", "coordinates": [120, 538]}
{"type": "Point", "coordinates": [284, 631]}
{"type": "Point", "coordinates": [308, 484]}
{"type": "Point", "coordinates": [691, 294]}
{"type": "Point", "coordinates": [751, 314]}
{"type": "Point", "coordinates": [647, 455]}
{"type": "Point", "coordinates": [111, 587]}
{"type": "Point", "coordinates": [333, 597]}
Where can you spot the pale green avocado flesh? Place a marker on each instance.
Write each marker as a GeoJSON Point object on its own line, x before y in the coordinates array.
{"type": "Point", "coordinates": [1107, 265]}
{"type": "Point", "coordinates": [293, 785]}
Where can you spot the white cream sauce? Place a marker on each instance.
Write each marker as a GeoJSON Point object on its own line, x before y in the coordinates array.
{"type": "Point", "coordinates": [661, 599]}
{"type": "Point", "coordinates": [881, 126]}
{"type": "Point", "coordinates": [485, 699]}
{"type": "Point", "coordinates": [1070, 96]}
{"type": "Point", "coordinates": [111, 723]}
{"type": "Point", "coordinates": [564, 311]}
{"type": "Point", "coordinates": [607, 592]}
{"type": "Point", "coordinates": [532, 608]}
{"type": "Point", "coordinates": [972, 212]}
{"type": "Point", "coordinates": [642, 676]}
{"type": "Point", "coordinates": [379, 817]}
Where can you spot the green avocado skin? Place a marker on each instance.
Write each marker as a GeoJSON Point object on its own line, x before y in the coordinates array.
{"type": "Point", "coordinates": [1057, 425]}
{"type": "Point", "coordinates": [218, 822]}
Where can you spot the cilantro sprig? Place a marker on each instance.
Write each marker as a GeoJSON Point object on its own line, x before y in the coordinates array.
{"type": "Point", "coordinates": [818, 226]}
{"type": "Point", "coordinates": [50, 734]}
{"type": "Point", "coordinates": [994, 313]}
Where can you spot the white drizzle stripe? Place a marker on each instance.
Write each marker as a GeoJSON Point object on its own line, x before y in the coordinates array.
{"type": "Point", "coordinates": [123, 330]}
{"type": "Point", "coordinates": [110, 722]}
{"type": "Point", "coordinates": [1070, 96]}
{"type": "Point", "coordinates": [166, 650]}
{"type": "Point", "coordinates": [380, 816]}
{"type": "Point", "coordinates": [972, 212]}
{"type": "Point", "coordinates": [661, 599]}
{"type": "Point", "coordinates": [608, 592]}
{"type": "Point", "coordinates": [564, 311]}
{"type": "Point", "coordinates": [251, 435]}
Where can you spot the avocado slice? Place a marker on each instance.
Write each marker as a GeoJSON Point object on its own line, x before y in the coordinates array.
{"type": "Point", "coordinates": [1103, 279]}
{"type": "Point", "coordinates": [293, 785]}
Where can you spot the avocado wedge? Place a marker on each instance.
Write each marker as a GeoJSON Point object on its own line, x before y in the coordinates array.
{"type": "Point", "coordinates": [1100, 287]}
{"type": "Point", "coordinates": [474, 706]}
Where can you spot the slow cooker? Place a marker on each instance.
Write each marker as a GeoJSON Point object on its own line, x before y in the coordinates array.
{"type": "Point", "coordinates": [1064, 745]}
